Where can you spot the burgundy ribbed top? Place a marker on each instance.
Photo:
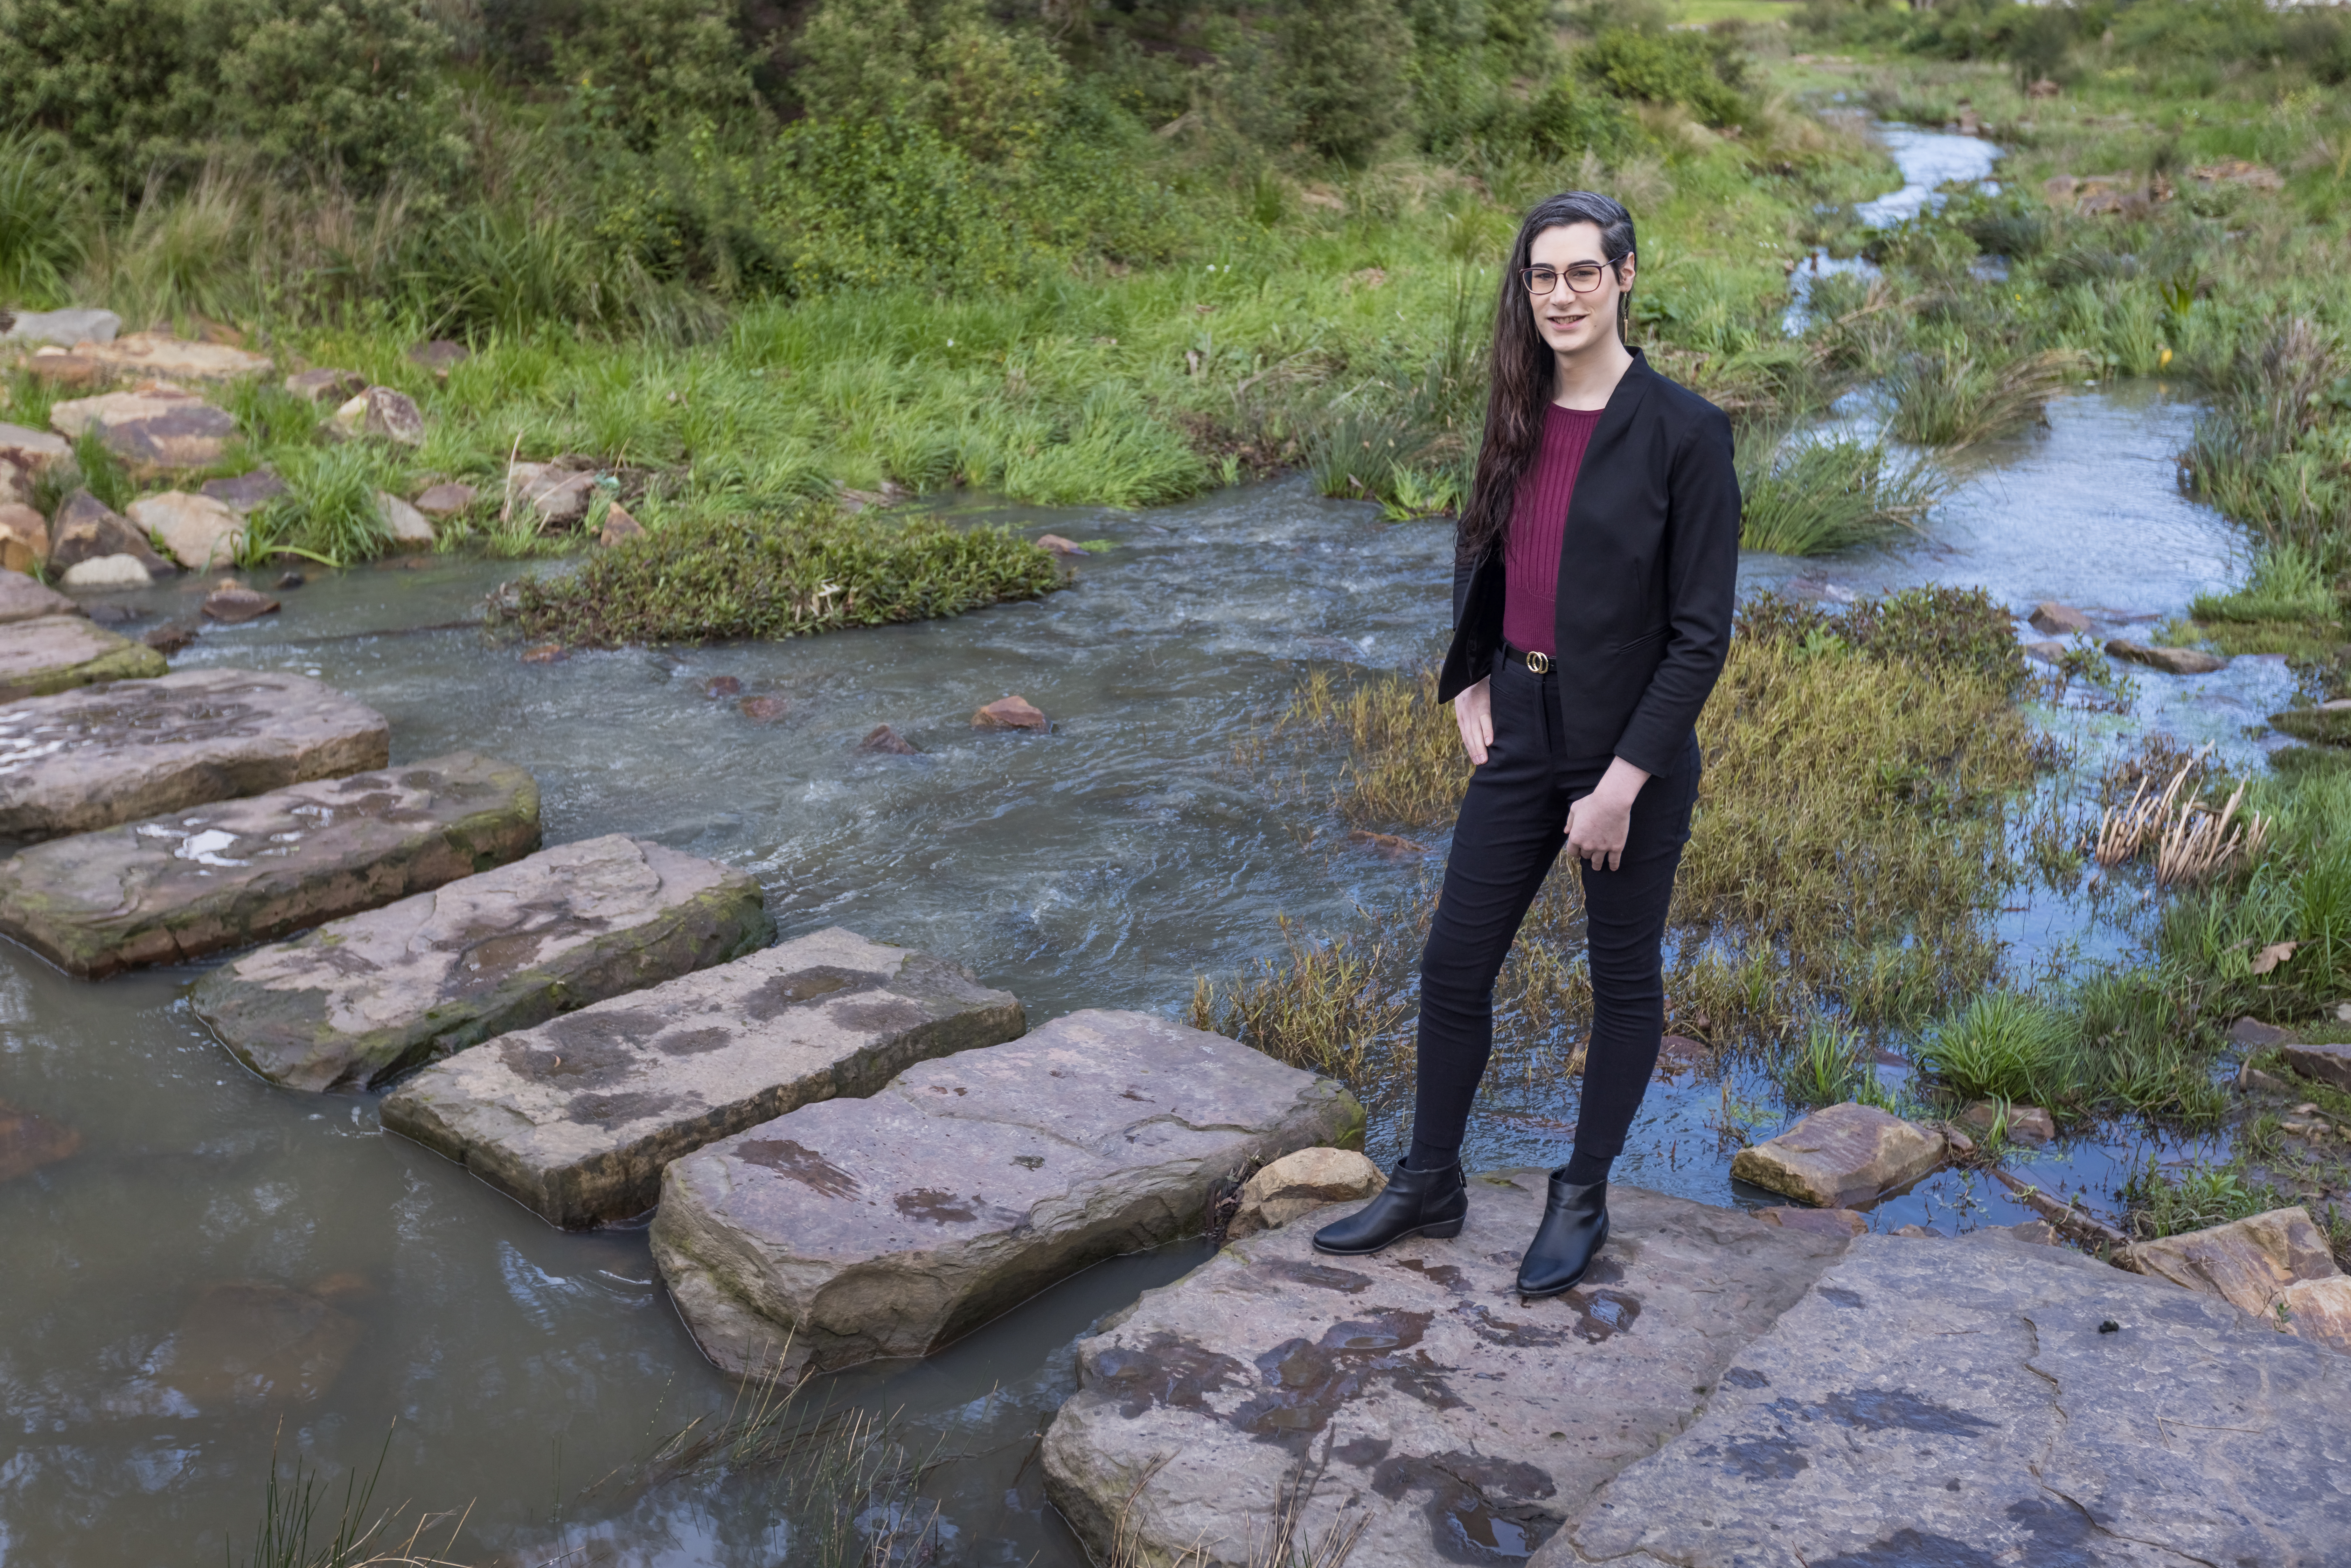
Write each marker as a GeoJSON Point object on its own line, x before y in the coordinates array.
{"type": "Point", "coordinates": [1538, 524]}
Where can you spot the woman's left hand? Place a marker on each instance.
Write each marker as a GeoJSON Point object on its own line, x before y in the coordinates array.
{"type": "Point", "coordinates": [1597, 824]}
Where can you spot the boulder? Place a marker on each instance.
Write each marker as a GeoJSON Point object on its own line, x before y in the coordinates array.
{"type": "Point", "coordinates": [619, 527]}
{"type": "Point", "coordinates": [442, 501]}
{"type": "Point", "coordinates": [2057, 620]}
{"type": "Point", "coordinates": [248, 492]}
{"type": "Point", "coordinates": [28, 1142]}
{"type": "Point", "coordinates": [361, 999]}
{"type": "Point", "coordinates": [1985, 1402]}
{"type": "Point", "coordinates": [2026, 1124]}
{"type": "Point", "coordinates": [325, 386]}
{"type": "Point", "coordinates": [1412, 1399]}
{"type": "Point", "coordinates": [58, 653]}
{"type": "Point", "coordinates": [87, 528]}
{"type": "Point", "coordinates": [891, 1226]}
{"type": "Point", "coordinates": [559, 495]}
{"type": "Point", "coordinates": [576, 1118]}
{"type": "Point", "coordinates": [2172, 660]}
{"type": "Point", "coordinates": [2252, 1264]}
{"type": "Point", "coordinates": [2327, 1063]}
{"type": "Point", "coordinates": [403, 525]}
{"type": "Point", "coordinates": [159, 354]}
{"type": "Point", "coordinates": [1302, 1183]}
{"type": "Point", "coordinates": [155, 429]}
{"type": "Point", "coordinates": [1010, 713]}
{"type": "Point", "coordinates": [764, 709]}
{"type": "Point", "coordinates": [22, 598]}
{"type": "Point", "coordinates": [63, 328]}
{"type": "Point", "coordinates": [385, 413]}
{"type": "Point", "coordinates": [1842, 1157]}
{"type": "Point", "coordinates": [243, 1345]}
{"type": "Point", "coordinates": [881, 738]}
{"type": "Point", "coordinates": [89, 759]}
{"type": "Point", "coordinates": [225, 875]}
{"type": "Point", "coordinates": [440, 356]}
{"type": "Point", "coordinates": [197, 531]}
{"type": "Point", "coordinates": [234, 604]}
{"type": "Point", "coordinates": [106, 572]}
{"type": "Point", "coordinates": [24, 538]}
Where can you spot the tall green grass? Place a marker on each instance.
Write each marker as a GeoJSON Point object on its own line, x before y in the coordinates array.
{"type": "Point", "coordinates": [1949, 397]}
{"type": "Point", "coordinates": [1818, 497]}
{"type": "Point", "coordinates": [2003, 1046]}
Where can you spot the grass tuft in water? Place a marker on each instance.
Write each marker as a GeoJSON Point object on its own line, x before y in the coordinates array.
{"type": "Point", "coordinates": [1949, 397]}
{"type": "Point", "coordinates": [2003, 1046]}
{"type": "Point", "coordinates": [1815, 497]}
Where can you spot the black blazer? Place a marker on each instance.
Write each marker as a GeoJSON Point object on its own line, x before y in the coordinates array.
{"type": "Point", "coordinates": [1648, 570]}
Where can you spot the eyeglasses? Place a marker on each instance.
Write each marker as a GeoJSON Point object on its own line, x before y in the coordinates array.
{"type": "Point", "coordinates": [1582, 278]}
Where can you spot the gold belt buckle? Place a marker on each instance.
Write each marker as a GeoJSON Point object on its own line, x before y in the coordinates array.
{"type": "Point", "coordinates": [1539, 663]}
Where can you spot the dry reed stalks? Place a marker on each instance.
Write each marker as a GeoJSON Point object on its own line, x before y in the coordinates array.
{"type": "Point", "coordinates": [2192, 842]}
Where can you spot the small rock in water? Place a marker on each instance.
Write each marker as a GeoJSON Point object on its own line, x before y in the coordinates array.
{"type": "Point", "coordinates": [619, 526]}
{"type": "Point", "coordinates": [1392, 846]}
{"type": "Point", "coordinates": [2049, 651]}
{"type": "Point", "coordinates": [326, 386]}
{"type": "Point", "coordinates": [170, 637]}
{"type": "Point", "coordinates": [2172, 661]}
{"type": "Point", "coordinates": [248, 492]}
{"type": "Point", "coordinates": [546, 653]}
{"type": "Point", "coordinates": [1299, 1184]}
{"type": "Point", "coordinates": [1010, 713]}
{"type": "Point", "coordinates": [2026, 1124]}
{"type": "Point", "coordinates": [2059, 619]}
{"type": "Point", "coordinates": [1845, 1155]}
{"type": "Point", "coordinates": [246, 1344]}
{"type": "Point", "coordinates": [235, 603]}
{"type": "Point", "coordinates": [107, 572]}
{"type": "Point", "coordinates": [1059, 546]}
{"type": "Point", "coordinates": [1820, 1221]}
{"type": "Point", "coordinates": [764, 709]}
{"type": "Point", "coordinates": [28, 1142]}
{"type": "Point", "coordinates": [2249, 1077]}
{"type": "Point", "coordinates": [444, 501]}
{"type": "Point", "coordinates": [440, 356]}
{"type": "Point", "coordinates": [721, 686]}
{"type": "Point", "coordinates": [290, 579]}
{"type": "Point", "coordinates": [888, 742]}
{"type": "Point", "coordinates": [111, 614]}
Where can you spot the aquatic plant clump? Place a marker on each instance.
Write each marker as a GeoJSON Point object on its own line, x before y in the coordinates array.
{"type": "Point", "coordinates": [710, 579]}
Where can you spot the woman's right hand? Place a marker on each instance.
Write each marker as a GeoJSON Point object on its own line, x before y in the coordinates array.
{"type": "Point", "coordinates": [1473, 710]}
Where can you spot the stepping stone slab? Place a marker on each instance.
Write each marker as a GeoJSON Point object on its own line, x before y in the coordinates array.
{"type": "Point", "coordinates": [58, 653]}
{"type": "Point", "coordinates": [83, 761]}
{"type": "Point", "coordinates": [1412, 1395]}
{"type": "Point", "coordinates": [358, 1001]}
{"type": "Point", "coordinates": [1842, 1156]}
{"type": "Point", "coordinates": [22, 598]}
{"type": "Point", "coordinates": [225, 875]}
{"type": "Point", "coordinates": [155, 430]}
{"type": "Point", "coordinates": [1986, 1401]}
{"type": "Point", "coordinates": [889, 1227]}
{"type": "Point", "coordinates": [576, 1118]}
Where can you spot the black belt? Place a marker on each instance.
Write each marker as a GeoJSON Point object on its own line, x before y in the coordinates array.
{"type": "Point", "coordinates": [1536, 663]}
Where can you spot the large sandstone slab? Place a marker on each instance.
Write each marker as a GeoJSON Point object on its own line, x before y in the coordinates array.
{"type": "Point", "coordinates": [2275, 1266]}
{"type": "Point", "coordinates": [161, 354]}
{"type": "Point", "coordinates": [238, 872]}
{"type": "Point", "coordinates": [1990, 1401]}
{"type": "Point", "coordinates": [578, 1117]}
{"type": "Point", "coordinates": [1412, 1396]}
{"type": "Point", "coordinates": [357, 1001]}
{"type": "Point", "coordinates": [156, 429]}
{"type": "Point", "coordinates": [58, 653]}
{"type": "Point", "coordinates": [888, 1227]}
{"type": "Point", "coordinates": [1842, 1156]}
{"type": "Point", "coordinates": [87, 759]}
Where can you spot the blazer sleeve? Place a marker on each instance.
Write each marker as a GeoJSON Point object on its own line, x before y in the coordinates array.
{"type": "Point", "coordinates": [1701, 593]}
{"type": "Point", "coordinates": [1461, 591]}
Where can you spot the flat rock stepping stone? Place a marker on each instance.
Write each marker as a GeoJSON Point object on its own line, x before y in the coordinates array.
{"type": "Point", "coordinates": [576, 1118]}
{"type": "Point", "coordinates": [88, 760]}
{"type": "Point", "coordinates": [1845, 1155]}
{"type": "Point", "coordinates": [225, 875]}
{"type": "Point", "coordinates": [889, 1227]}
{"type": "Point", "coordinates": [58, 653]}
{"type": "Point", "coordinates": [1985, 1401]}
{"type": "Point", "coordinates": [22, 598]}
{"type": "Point", "coordinates": [1412, 1396]}
{"type": "Point", "coordinates": [155, 430]}
{"type": "Point", "coordinates": [357, 1001]}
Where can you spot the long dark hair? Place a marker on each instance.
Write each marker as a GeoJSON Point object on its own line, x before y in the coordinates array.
{"type": "Point", "coordinates": [1523, 367]}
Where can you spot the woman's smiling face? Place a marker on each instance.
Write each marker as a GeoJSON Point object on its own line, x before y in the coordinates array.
{"type": "Point", "coordinates": [1572, 322]}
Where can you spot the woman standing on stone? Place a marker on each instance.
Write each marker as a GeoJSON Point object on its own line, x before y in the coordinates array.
{"type": "Point", "coordinates": [1592, 600]}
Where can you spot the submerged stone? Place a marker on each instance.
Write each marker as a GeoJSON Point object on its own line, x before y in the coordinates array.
{"type": "Point", "coordinates": [891, 1226]}
{"type": "Point", "coordinates": [1842, 1156]}
{"type": "Point", "coordinates": [357, 1001]}
{"type": "Point", "coordinates": [88, 760]}
{"type": "Point", "coordinates": [2172, 660]}
{"type": "Point", "coordinates": [58, 653]}
{"type": "Point", "coordinates": [576, 1118]}
{"type": "Point", "coordinates": [1010, 713]}
{"type": "Point", "coordinates": [200, 881]}
{"type": "Point", "coordinates": [244, 1344]}
{"type": "Point", "coordinates": [1413, 1396]}
{"type": "Point", "coordinates": [1988, 1402]}
{"type": "Point", "coordinates": [28, 1142]}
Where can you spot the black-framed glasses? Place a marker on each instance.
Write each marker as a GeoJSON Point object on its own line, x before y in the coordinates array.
{"type": "Point", "coordinates": [1584, 276]}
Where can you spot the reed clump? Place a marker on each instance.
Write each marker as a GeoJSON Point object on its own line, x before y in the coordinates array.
{"type": "Point", "coordinates": [1952, 396]}
{"type": "Point", "coordinates": [1818, 497]}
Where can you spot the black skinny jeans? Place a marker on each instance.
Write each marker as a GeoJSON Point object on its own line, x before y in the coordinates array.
{"type": "Point", "coordinates": [1513, 824]}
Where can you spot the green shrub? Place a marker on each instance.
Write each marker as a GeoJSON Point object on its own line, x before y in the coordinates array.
{"type": "Point", "coordinates": [1343, 64]}
{"type": "Point", "coordinates": [715, 578]}
{"type": "Point", "coordinates": [655, 67]}
{"type": "Point", "coordinates": [987, 91]}
{"type": "Point", "coordinates": [1701, 73]}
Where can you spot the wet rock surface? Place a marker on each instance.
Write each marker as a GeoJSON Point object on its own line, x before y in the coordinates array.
{"type": "Point", "coordinates": [357, 1001]}
{"type": "Point", "coordinates": [578, 1117]}
{"type": "Point", "coordinates": [2274, 1267]}
{"type": "Point", "coordinates": [89, 759]}
{"type": "Point", "coordinates": [1990, 1401]}
{"type": "Point", "coordinates": [201, 881]}
{"type": "Point", "coordinates": [1010, 713]}
{"type": "Point", "coordinates": [58, 653]}
{"type": "Point", "coordinates": [857, 1229]}
{"type": "Point", "coordinates": [1842, 1156]}
{"type": "Point", "coordinates": [1413, 1394]}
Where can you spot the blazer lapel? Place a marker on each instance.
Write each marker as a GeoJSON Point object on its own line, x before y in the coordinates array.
{"type": "Point", "coordinates": [1615, 424]}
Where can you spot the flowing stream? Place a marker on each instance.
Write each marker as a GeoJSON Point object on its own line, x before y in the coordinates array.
{"type": "Point", "coordinates": [521, 1371]}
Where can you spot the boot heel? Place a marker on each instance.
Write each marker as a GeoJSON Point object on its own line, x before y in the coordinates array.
{"type": "Point", "coordinates": [1445, 1232]}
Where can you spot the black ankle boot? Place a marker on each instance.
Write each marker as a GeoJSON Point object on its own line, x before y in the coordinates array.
{"type": "Point", "coordinates": [1414, 1203]}
{"type": "Point", "coordinates": [1574, 1228]}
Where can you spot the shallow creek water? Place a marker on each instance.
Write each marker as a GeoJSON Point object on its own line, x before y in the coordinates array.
{"type": "Point", "coordinates": [1104, 865]}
